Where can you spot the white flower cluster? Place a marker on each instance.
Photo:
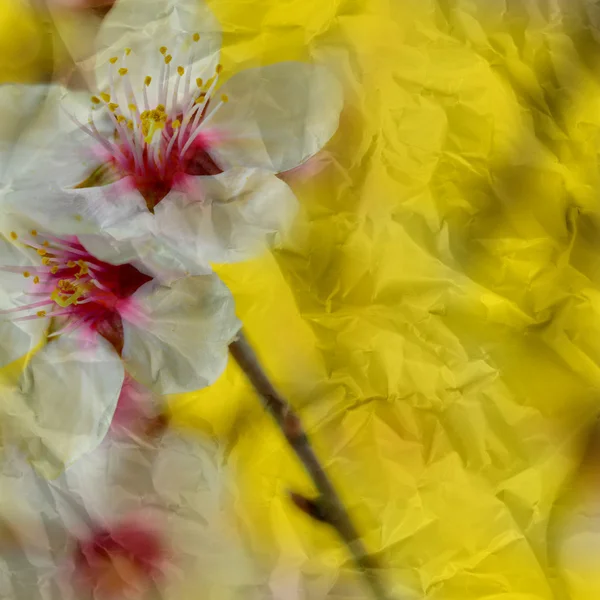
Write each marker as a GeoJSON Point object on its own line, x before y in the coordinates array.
{"type": "Point", "coordinates": [114, 204]}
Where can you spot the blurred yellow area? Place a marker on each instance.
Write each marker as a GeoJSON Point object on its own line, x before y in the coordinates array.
{"type": "Point", "coordinates": [435, 313]}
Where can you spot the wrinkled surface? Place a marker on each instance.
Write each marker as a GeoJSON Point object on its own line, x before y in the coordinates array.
{"type": "Point", "coordinates": [434, 312]}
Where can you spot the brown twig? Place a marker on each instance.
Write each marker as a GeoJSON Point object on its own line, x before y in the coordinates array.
{"type": "Point", "coordinates": [289, 423]}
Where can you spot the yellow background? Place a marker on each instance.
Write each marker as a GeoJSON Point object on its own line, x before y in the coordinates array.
{"type": "Point", "coordinates": [434, 313]}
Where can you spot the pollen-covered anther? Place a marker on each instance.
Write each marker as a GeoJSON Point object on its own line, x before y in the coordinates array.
{"type": "Point", "coordinates": [127, 51]}
{"type": "Point", "coordinates": [225, 97]}
{"type": "Point", "coordinates": [178, 110]}
{"type": "Point", "coordinates": [41, 313]}
{"type": "Point", "coordinates": [33, 232]}
{"type": "Point", "coordinates": [41, 252]}
{"type": "Point", "coordinates": [26, 274]}
{"type": "Point", "coordinates": [36, 279]}
{"type": "Point", "coordinates": [13, 235]}
{"type": "Point", "coordinates": [95, 100]}
{"type": "Point", "coordinates": [113, 60]}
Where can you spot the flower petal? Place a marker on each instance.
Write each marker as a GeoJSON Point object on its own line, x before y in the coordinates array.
{"type": "Point", "coordinates": [16, 338]}
{"type": "Point", "coordinates": [18, 105]}
{"type": "Point", "coordinates": [51, 147]}
{"type": "Point", "coordinates": [48, 208]}
{"type": "Point", "coordinates": [181, 344]}
{"type": "Point", "coordinates": [277, 116]}
{"type": "Point", "coordinates": [68, 394]}
{"type": "Point", "coordinates": [125, 231]}
{"type": "Point", "coordinates": [226, 217]}
{"type": "Point", "coordinates": [117, 208]}
{"type": "Point", "coordinates": [144, 26]}
{"type": "Point", "coordinates": [147, 252]}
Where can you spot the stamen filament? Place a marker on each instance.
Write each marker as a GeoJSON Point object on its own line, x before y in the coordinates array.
{"type": "Point", "coordinates": [199, 128]}
{"type": "Point", "coordinates": [46, 302]}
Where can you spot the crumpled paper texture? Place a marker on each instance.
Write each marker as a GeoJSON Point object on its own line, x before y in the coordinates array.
{"type": "Point", "coordinates": [434, 314]}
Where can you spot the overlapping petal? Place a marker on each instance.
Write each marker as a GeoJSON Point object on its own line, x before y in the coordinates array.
{"type": "Point", "coordinates": [277, 116]}
{"type": "Point", "coordinates": [65, 402]}
{"type": "Point", "coordinates": [49, 147]}
{"type": "Point", "coordinates": [177, 339]}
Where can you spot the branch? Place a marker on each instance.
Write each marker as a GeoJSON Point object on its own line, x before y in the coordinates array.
{"type": "Point", "coordinates": [330, 506]}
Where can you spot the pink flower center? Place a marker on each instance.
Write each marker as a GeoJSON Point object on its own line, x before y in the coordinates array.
{"type": "Point", "coordinates": [120, 560]}
{"type": "Point", "coordinates": [69, 283]}
{"type": "Point", "coordinates": [163, 136]}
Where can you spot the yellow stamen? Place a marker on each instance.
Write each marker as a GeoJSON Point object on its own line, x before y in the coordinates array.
{"type": "Point", "coordinates": [121, 119]}
{"type": "Point", "coordinates": [199, 82]}
{"type": "Point", "coordinates": [113, 60]}
{"type": "Point", "coordinates": [13, 235]}
{"type": "Point", "coordinates": [180, 71]}
{"type": "Point", "coordinates": [127, 51]}
{"type": "Point", "coordinates": [33, 232]}
{"type": "Point", "coordinates": [105, 96]}
{"type": "Point", "coordinates": [112, 107]}
{"type": "Point", "coordinates": [219, 69]}
{"type": "Point", "coordinates": [95, 100]}
{"type": "Point", "coordinates": [148, 80]}
{"type": "Point", "coordinates": [41, 313]}
{"type": "Point", "coordinates": [26, 274]}
{"type": "Point", "coordinates": [200, 98]}
{"type": "Point", "coordinates": [209, 83]}
{"type": "Point", "coordinates": [196, 37]}
{"type": "Point", "coordinates": [225, 98]}
{"type": "Point", "coordinates": [54, 270]}
{"type": "Point", "coordinates": [122, 71]}
{"type": "Point", "coordinates": [130, 125]}
{"type": "Point", "coordinates": [176, 124]}
{"type": "Point", "coordinates": [168, 59]}
{"type": "Point", "coordinates": [163, 50]}
{"type": "Point", "coordinates": [46, 243]}
{"type": "Point", "coordinates": [45, 261]}
{"type": "Point", "coordinates": [36, 279]}
{"type": "Point", "coordinates": [132, 106]}
{"type": "Point", "coordinates": [160, 108]}
{"type": "Point", "coordinates": [70, 264]}
{"type": "Point", "coordinates": [41, 252]}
